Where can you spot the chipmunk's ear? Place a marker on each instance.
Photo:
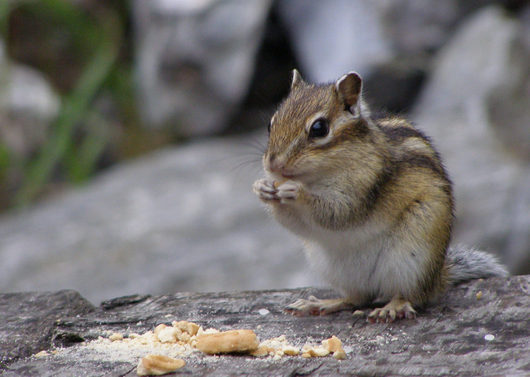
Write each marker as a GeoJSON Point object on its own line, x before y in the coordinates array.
{"type": "Point", "coordinates": [297, 79]}
{"type": "Point", "coordinates": [349, 88]}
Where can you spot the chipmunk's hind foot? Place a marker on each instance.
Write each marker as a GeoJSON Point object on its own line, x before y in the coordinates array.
{"type": "Point", "coordinates": [315, 306]}
{"type": "Point", "coordinates": [397, 308]}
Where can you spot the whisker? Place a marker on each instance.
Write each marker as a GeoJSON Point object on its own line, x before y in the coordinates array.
{"type": "Point", "coordinates": [255, 164]}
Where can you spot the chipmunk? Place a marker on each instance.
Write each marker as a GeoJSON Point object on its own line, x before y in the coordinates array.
{"type": "Point", "coordinates": [370, 198]}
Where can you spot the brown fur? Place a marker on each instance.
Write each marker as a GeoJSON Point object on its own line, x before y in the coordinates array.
{"type": "Point", "coordinates": [384, 169]}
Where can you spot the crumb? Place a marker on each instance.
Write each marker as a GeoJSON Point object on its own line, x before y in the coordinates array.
{"type": "Point", "coordinates": [41, 354]}
{"type": "Point", "coordinates": [183, 339]}
{"type": "Point", "coordinates": [314, 351]}
{"type": "Point", "coordinates": [332, 345]}
{"type": "Point", "coordinates": [115, 336]}
{"type": "Point", "coordinates": [339, 355]}
{"type": "Point", "coordinates": [276, 347]}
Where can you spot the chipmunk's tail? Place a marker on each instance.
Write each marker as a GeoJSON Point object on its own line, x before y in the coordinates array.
{"type": "Point", "coordinates": [465, 263]}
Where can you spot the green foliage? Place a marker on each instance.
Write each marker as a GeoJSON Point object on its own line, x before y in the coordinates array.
{"type": "Point", "coordinates": [4, 160]}
{"type": "Point", "coordinates": [4, 16]}
{"type": "Point", "coordinates": [99, 36]}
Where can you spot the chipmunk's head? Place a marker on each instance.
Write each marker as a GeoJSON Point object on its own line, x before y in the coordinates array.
{"type": "Point", "coordinates": [313, 124]}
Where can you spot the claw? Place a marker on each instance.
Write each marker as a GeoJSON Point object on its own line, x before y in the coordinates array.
{"type": "Point", "coordinates": [265, 189]}
{"type": "Point", "coordinates": [397, 308]}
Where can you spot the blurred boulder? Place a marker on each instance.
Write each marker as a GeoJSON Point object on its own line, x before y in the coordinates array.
{"type": "Point", "coordinates": [416, 26]}
{"type": "Point", "coordinates": [28, 104]}
{"type": "Point", "coordinates": [334, 37]}
{"type": "Point", "coordinates": [195, 60]}
{"type": "Point", "coordinates": [178, 220]}
{"type": "Point", "coordinates": [391, 43]}
{"type": "Point", "coordinates": [476, 92]}
{"type": "Point", "coordinates": [508, 105]}
{"type": "Point", "coordinates": [388, 42]}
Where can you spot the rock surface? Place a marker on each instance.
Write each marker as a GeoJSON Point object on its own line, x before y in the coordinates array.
{"type": "Point", "coordinates": [180, 219]}
{"type": "Point", "coordinates": [460, 109]}
{"type": "Point", "coordinates": [464, 334]}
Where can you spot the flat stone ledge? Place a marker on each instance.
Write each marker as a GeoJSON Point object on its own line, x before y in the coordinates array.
{"type": "Point", "coordinates": [464, 334]}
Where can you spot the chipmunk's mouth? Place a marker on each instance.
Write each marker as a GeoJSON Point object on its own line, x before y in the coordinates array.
{"type": "Point", "coordinates": [289, 175]}
{"type": "Point", "coordinates": [284, 176]}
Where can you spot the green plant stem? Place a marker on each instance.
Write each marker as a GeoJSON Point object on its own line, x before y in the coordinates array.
{"type": "Point", "coordinates": [80, 162]}
{"type": "Point", "coordinates": [75, 106]}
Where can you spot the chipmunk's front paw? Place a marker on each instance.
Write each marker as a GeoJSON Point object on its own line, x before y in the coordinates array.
{"type": "Point", "coordinates": [288, 191]}
{"type": "Point", "coordinates": [265, 190]}
{"type": "Point", "coordinates": [268, 190]}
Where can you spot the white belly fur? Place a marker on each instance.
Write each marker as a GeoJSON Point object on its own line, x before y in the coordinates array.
{"type": "Point", "coordinates": [365, 264]}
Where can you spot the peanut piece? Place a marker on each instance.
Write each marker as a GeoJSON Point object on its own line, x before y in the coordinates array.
{"type": "Point", "coordinates": [277, 184]}
{"type": "Point", "coordinates": [115, 336]}
{"type": "Point", "coordinates": [227, 342]}
{"type": "Point", "coordinates": [332, 344]}
{"type": "Point", "coordinates": [158, 365]}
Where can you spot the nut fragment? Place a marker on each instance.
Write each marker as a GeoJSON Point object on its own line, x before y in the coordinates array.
{"type": "Point", "coordinates": [276, 348]}
{"type": "Point", "coordinates": [158, 365]}
{"type": "Point", "coordinates": [277, 184]}
{"type": "Point", "coordinates": [314, 351]}
{"type": "Point", "coordinates": [159, 328]}
{"type": "Point", "coordinates": [116, 336]}
{"type": "Point", "coordinates": [42, 353]}
{"type": "Point", "coordinates": [339, 355]}
{"type": "Point", "coordinates": [168, 335]}
{"type": "Point", "coordinates": [262, 351]}
{"type": "Point", "coordinates": [228, 342]}
{"type": "Point", "coordinates": [332, 344]}
{"type": "Point", "coordinates": [185, 326]}
{"type": "Point", "coordinates": [290, 350]}
{"type": "Point", "coordinates": [318, 352]}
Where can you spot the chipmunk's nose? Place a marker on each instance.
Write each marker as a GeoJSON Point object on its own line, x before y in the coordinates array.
{"type": "Point", "coordinates": [276, 165]}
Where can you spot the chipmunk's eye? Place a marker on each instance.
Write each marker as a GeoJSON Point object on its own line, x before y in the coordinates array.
{"type": "Point", "coordinates": [319, 128]}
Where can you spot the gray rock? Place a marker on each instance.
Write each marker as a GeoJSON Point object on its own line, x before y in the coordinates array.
{"type": "Point", "coordinates": [195, 60]}
{"type": "Point", "coordinates": [388, 42]}
{"type": "Point", "coordinates": [461, 335]}
{"type": "Point", "coordinates": [334, 37]}
{"type": "Point", "coordinates": [417, 26]}
{"type": "Point", "coordinates": [464, 106]}
{"type": "Point", "coordinates": [28, 320]}
{"type": "Point", "coordinates": [508, 105]}
{"type": "Point", "coordinates": [180, 219]}
{"type": "Point", "coordinates": [28, 104]}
